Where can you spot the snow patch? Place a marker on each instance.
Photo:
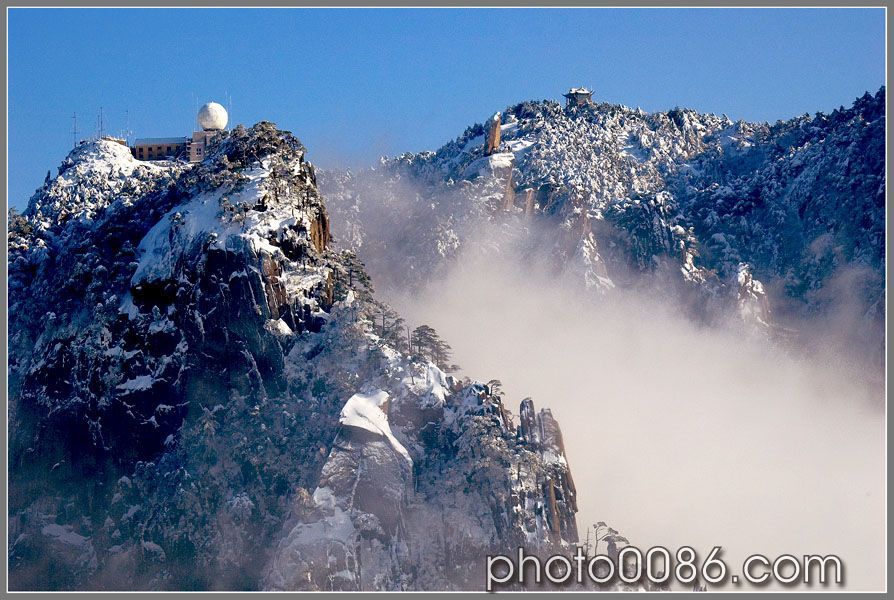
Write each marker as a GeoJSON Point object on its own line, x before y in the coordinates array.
{"type": "Point", "coordinates": [64, 534]}
{"type": "Point", "coordinates": [437, 383]}
{"type": "Point", "coordinates": [278, 327]}
{"type": "Point", "coordinates": [138, 383]}
{"type": "Point", "coordinates": [363, 411]}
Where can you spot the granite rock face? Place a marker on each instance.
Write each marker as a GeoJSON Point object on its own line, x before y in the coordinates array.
{"type": "Point", "coordinates": [493, 135]}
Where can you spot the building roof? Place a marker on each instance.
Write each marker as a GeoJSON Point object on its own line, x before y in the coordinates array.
{"type": "Point", "coordinates": [578, 91]}
{"type": "Point", "coordinates": [159, 141]}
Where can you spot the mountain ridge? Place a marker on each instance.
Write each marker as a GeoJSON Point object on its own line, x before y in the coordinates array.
{"type": "Point", "coordinates": [623, 196]}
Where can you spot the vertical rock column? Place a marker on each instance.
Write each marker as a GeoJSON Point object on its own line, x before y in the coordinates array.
{"type": "Point", "coordinates": [541, 433]}
{"type": "Point", "coordinates": [493, 135]}
{"type": "Point", "coordinates": [528, 428]}
{"type": "Point", "coordinates": [562, 495]}
{"type": "Point", "coordinates": [509, 194]}
{"type": "Point", "coordinates": [319, 231]}
{"type": "Point", "coordinates": [529, 202]}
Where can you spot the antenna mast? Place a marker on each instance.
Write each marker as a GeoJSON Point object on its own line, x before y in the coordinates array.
{"type": "Point", "coordinates": [126, 133]}
{"type": "Point", "coordinates": [100, 125]}
{"type": "Point", "coordinates": [74, 130]}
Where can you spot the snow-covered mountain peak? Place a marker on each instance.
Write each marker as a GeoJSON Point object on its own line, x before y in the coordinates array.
{"type": "Point", "coordinates": [94, 176]}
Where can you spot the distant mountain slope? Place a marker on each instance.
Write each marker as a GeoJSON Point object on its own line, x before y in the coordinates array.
{"type": "Point", "coordinates": [695, 206]}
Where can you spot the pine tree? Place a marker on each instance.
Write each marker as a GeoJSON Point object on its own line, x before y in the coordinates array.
{"type": "Point", "coordinates": [428, 344]}
{"type": "Point", "coordinates": [495, 386]}
{"type": "Point", "coordinates": [350, 275]}
{"type": "Point", "coordinates": [18, 225]}
{"type": "Point", "coordinates": [391, 328]}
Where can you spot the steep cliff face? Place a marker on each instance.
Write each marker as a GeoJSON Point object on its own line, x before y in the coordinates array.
{"type": "Point", "coordinates": [424, 512]}
{"type": "Point", "coordinates": [616, 197]}
{"type": "Point", "coordinates": [201, 396]}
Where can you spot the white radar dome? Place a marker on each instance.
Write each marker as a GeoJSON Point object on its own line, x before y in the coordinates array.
{"type": "Point", "coordinates": [212, 117]}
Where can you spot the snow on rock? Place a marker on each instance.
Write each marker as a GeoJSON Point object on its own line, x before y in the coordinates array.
{"type": "Point", "coordinates": [753, 305]}
{"type": "Point", "coordinates": [503, 160]}
{"type": "Point", "coordinates": [488, 165]}
{"type": "Point", "coordinates": [141, 382]}
{"type": "Point", "coordinates": [62, 546]}
{"type": "Point", "coordinates": [95, 176]}
{"type": "Point", "coordinates": [64, 534]}
{"type": "Point", "coordinates": [313, 545]}
{"type": "Point", "coordinates": [199, 221]}
{"type": "Point", "coordinates": [279, 327]}
{"type": "Point", "coordinates": [364, 411]}
{"type": "Point", "coordinates": [154, 551]}
{"type": "Point", "coordinates": [436, 383]}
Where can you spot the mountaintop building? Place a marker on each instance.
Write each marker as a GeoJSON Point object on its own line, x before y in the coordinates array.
{"type": "Point", "coordinates": [212, 118]}
{"type": "Point", "coordinates": [578, 97]}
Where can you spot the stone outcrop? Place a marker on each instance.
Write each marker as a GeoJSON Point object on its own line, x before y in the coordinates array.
{"type": "Point", "coordinates": [754, 306]}
{"type": "Point", "coordinates": [509, 194]}
{"type": "Point", "coordinates": [319, 231]}
{"type": "Point", "coordinates": [492, 143]}
{"type": "Point", "coordinates": [529, 202]}
{"type": "Point", "coordinates": [541, 432]}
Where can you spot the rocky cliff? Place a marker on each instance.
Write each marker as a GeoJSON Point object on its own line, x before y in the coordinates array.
{"type": "Point", "coordinates": [205, 394]}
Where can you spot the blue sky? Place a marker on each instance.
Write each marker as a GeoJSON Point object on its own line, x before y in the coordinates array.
{"type": "Point", "coordinates": [358, 84]}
